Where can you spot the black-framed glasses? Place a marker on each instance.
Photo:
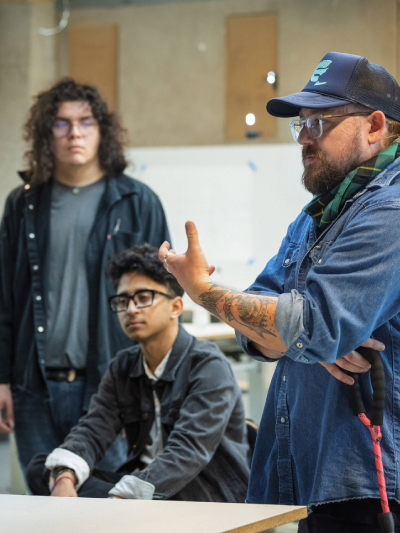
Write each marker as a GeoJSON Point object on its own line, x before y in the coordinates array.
{"type": "Point", "coordinates": [141, 298]}
{"type": "Point", "coordinates": [314, 124]}
{"type": "Point", "coordinates": [62, 127]}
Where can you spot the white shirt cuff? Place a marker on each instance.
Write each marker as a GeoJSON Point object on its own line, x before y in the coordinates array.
{"type": "Point", "coordinates": [61, 457]}
{"type": "Point", "coordinates": [131, 487]}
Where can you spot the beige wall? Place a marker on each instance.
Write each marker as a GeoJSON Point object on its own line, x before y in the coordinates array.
{"type": "Point", "coordinates": [26, 66]}
{"type": "Point", "coordinates": [171, 90]}
{"type": "Point", "coordinates": [171, 93]}
{"type": "Point", "coordinates": [14, 66]}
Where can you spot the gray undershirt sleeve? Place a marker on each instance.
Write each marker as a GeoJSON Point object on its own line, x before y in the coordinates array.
{"type": "Point", "coordinates": [289, 316]}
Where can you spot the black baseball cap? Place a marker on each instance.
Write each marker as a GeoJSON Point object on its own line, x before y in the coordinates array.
{"type": "Point", "coordinates": [342, 79]}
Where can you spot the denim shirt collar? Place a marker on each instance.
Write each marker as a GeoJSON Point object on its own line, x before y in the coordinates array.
{"type": "Point", "coordinates": [384, 178]}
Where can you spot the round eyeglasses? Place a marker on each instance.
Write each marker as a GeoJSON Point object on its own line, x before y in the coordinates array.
{"type": "Point", "coordinates": [314, 123]}
{"type": "Point", "coordinates": [62, 127]}
{"type": "Point", "coordinates": [141, 298]}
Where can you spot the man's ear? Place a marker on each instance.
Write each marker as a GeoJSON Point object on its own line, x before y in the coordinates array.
{"type": "Point", "coordinates": [176, 307]}
{"type": "Point", "coordinates": [377, 127]}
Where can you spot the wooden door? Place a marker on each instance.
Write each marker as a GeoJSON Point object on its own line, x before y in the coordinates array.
{"type": "Point", "coordinates": [251, 55]}
{"type": "Point", "coordinates": [93, 58]}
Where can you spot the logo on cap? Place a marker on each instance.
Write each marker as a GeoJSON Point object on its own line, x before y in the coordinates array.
{"type": "Point", "coordinates": [321, 69]}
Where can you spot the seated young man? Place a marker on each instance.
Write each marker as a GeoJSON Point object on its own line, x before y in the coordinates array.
{"type": "Point", "coordinates": [174, 395]}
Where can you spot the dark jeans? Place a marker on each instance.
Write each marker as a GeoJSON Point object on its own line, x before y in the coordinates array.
{"type": "Point", "coordinates": [352, 516]}
{"type": "Point", "coordinates": [97, 486]}
{"type": "Point", "coordinates": [42, 424]}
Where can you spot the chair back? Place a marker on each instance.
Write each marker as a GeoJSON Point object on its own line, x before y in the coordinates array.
{"type": "Point", "coordinates": [252, 430]}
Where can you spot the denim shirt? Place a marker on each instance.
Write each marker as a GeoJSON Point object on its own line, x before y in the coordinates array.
{"type": "Point", "coordinates": [311, 449]}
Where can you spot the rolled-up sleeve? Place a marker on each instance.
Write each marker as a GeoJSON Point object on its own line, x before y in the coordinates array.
{"type": "Point", "coordinates": [133, 488]}
{"type": "Point", "coordinates": [288, 320]}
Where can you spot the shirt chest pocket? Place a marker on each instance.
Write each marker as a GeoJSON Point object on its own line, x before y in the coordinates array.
{"type": "Point", "coordinates": [291, 255]}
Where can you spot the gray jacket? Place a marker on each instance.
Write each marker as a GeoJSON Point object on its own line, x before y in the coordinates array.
{"type": "Point", "coordinates": [205, 456]}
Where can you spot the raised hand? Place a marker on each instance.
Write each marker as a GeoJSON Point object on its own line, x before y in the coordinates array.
{"type": "Point", "coordinates": [191, 268]}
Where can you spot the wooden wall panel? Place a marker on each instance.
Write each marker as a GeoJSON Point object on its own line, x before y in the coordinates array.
{"type": "Point", "coordinates": [251, 53]}
{"type": "Point", "coordinates": [93, 58]}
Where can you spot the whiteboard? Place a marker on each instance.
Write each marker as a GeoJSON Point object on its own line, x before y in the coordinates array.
{"type": "Point", "coordinates": [241, 198]}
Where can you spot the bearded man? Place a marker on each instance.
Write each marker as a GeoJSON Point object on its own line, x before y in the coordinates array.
{"type": "Point", "coordinates": [332, 287]}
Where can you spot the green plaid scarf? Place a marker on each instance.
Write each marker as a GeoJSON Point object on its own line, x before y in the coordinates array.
{"type": "Point", "coordinates": [324, 208]}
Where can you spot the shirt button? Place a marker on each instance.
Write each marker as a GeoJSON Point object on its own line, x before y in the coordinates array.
{"type": "Point", "coordinates": [75, 190]}
{"type": "Point", "coordinates": [299, 345]}
{"type": "Point", "coordinates": [35, 267]}
{"type": "Point", "coordinates": [42, 361]}
{"type": "Point", "coordinates": [287, 261]}
{"type": "Point", "coordinates": [38, 298]}
{"type": "Point", "coordinates": [27, 186]}
{"type": "Point", "coordinates": [284, 378]}
{"type": "Point", "coordinates": [40, 329]}
{"type": "Point", "coordinates": [31, 235]}
{"type": "Point", "coordinates": [283, 420]}
{"type": "Point", "coordinates": [30, 206]}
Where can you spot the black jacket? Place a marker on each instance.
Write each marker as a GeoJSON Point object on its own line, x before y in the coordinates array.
{"type": "Point", "coordinates": [23, 248]}
{"type": "Point", "coordinates": [205, 456]}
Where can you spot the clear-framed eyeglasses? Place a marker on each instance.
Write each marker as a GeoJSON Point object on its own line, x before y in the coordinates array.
{"type": "Point", "coordinates": [314, 124]}
{"type": "Point", "coordinates": [62, 127]}
{"type": "Point", "coordinates": [141, 298]}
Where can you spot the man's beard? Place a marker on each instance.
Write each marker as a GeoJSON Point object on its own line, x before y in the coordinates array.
{"type": "Point", "coordinates": [321, 178]}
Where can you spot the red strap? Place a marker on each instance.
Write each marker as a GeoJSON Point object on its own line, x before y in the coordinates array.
{"type": "Point", "coordinates": [376, 438]}
{"type": "Point", "coordinates": [62, 477]}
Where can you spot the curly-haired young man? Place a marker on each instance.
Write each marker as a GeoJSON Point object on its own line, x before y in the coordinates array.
{"type": "Point", "coordinates": [175, 396]}
{"type": "Point", "coordinates": [76, 210]}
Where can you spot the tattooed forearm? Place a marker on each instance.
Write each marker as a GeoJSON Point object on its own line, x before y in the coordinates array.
{"type": "Point", "coordinates": [211, 298]}
{"type": "Point", "coordinates": [249, 310]}
{"type": "Point", "coordinates": [228, 305]}
{"type": "Point", "coordinates": [254, 313]}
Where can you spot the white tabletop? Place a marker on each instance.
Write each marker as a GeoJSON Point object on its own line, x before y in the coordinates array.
{"type": "Point", "coordinates": [210, 331]}
{"type": "Point", "coordinates": [38, 514]}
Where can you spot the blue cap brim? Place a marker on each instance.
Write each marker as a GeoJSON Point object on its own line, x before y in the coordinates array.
{"type": "Point", "coordinates": [289, 106]}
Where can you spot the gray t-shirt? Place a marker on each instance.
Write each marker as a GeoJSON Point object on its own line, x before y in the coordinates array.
{"type": "Point", "coordinates": [72, 214]}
